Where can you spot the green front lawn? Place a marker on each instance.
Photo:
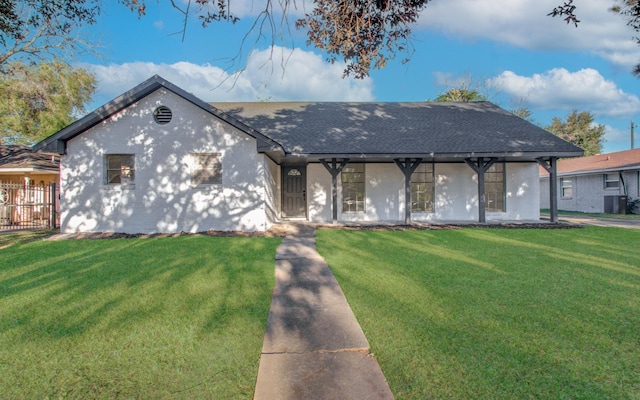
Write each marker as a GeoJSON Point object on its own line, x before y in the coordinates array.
{"type": "Point", "coordinates": [179, 317]}
{"type": "Point", "coordinates": [496, 313]}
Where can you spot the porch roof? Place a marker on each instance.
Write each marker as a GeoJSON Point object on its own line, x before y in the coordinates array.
{"type": "Point", "coordinates": [442, 131]}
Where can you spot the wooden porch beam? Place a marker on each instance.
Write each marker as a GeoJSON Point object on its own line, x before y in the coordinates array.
{"type": "Point", "coordinates": [407, 166]}
{"type": "Point", "coordinates": [334, 169]}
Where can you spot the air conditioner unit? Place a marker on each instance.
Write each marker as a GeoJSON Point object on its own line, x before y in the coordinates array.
{"type": "Point", "coordinates": [615, 204]}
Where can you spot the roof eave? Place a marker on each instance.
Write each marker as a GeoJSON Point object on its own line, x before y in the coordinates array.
{"type": "Point", "coordinates": [56, 143]}
{"type": "Point", "coordinates": [532, 156]}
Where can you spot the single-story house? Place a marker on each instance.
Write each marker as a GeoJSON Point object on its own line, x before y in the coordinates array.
{"type": "Point", "coordinates": [158, 159]}
{"type": "Point", "coordinates": [596, 184]}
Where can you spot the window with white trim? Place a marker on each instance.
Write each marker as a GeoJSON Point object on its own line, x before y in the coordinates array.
{"type": "Point", "coordinates": [206, 169]}
{"type": "Point", "coordinates": [611, 181]}
{"type": "Point", "coordinates": [119, 169]}
{"type": "Point", "coordinates": [494, 188]}
{"type": "Point", "coordinates": [566, 188]}
{"type": "Point", "coordinates": [353, 188]}
{"type": "Point", "coordinates": [422, 188]}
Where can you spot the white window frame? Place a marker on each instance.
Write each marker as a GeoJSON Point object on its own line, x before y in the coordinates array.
{"type": "Point", "coordinates": [206, 169]}
{"type": "Point", "coordinates": [119, 169]}
{"type": "Point", "coordinates": [566, 184]}
{"type": "Point", "coordinates": [493, 178]}
{"type": "Point", "coordinates": [611, 184]}
{"type": "Point", "coordinates": [354, 196]}
{"type": "Point", "coordinates": [423, 188]}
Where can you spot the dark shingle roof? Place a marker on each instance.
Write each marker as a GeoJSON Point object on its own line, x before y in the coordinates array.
{"type": "Point", "coordinates": [17, 157]}
{"type": "Point", "coordinates": [396, 128]}
{"type": "Point", "coordinates": [372, 130]}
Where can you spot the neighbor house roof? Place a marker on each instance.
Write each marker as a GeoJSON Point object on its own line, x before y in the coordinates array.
{"type": "Point", "coordinates": [373, 131]}
{"type": "Point", "coordinates": [20, 159]}
{"type": "Point", "coordinates": [398, 129]}
{"type": "Point", "coordinates": [601, 163]}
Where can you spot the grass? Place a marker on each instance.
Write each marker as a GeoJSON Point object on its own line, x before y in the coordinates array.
{"type": "Point", "coordinates": [180, 317]}
{"type": "Point", "coordinates": [595, 215]}
{"type": "Point", "coordinates": [496, 314]}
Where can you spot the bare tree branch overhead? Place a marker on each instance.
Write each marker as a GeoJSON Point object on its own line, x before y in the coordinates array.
{"type": "Point", "coordinates": [365, 34]}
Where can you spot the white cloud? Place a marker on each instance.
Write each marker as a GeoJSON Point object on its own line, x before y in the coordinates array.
{"type": "Point", "coordinates": [559, 89]}
{"type": "Point", "coordinates": [524, 23]}
{"type": "Point", "coordinates": [280, 75]}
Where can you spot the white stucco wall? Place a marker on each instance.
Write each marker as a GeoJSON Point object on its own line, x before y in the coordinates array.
{"type": "Point", "coordinates": [318, 193]}
{"type": "Point", "coordinates": [523, 187]}
{"type": "Point", "coordinates": [456, 197]}
{"type": "Point", "coordinates": [272, 191]}
{"type": "Point", "coordinates": [162, 198]}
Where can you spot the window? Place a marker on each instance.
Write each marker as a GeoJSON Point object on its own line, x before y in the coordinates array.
{"type": "Point", "coordinates": [494, 188]}
{"type": "Point", "coordinates": [422, 188]}
{"type": "Point", "coordinates": [611, 181]}
{"type": "Point", "coordinates": [566, 186]}
{"type": "Point", "coordinates": [353, 199]}
{"type": "Point", "coordinates": [120, 169]}
{"type": "Point", "coordinates": [206, 169]}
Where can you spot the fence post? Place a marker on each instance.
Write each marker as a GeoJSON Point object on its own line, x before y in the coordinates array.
{"type": "Point", "coordinates": [52, 205]}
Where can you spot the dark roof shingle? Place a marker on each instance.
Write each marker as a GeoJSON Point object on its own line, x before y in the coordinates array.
{"type": "Point", "coordinates": [395, 128]}
{"type": "Point", "coordinates": [22, 157]}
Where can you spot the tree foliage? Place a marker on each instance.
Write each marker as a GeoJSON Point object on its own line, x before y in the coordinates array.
{"type": "Point", "coordinates": [37, 29]}
{"type": "Point", "coordinates": [461, 95]}
{"type": "Point", "coordinates": [38, 100]}
{"type": "Point", "coordinates": [628, 8]}
{"type": "Point", "coordinates": [579, 128]}
{"type": "Point", "coordinates": [366, 34]}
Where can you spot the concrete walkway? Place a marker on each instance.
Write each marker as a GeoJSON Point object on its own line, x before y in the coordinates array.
{"type": "Point", "coordinates": [313, 346]}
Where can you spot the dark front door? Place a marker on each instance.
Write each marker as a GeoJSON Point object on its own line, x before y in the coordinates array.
{"type": "Point", "coordinates": [294, 191]}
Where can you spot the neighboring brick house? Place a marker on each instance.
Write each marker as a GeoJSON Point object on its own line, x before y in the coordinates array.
{"type": "Point", "coordinates": [158, 159]}
{"type": "Point", "coordinates": [595, 184]}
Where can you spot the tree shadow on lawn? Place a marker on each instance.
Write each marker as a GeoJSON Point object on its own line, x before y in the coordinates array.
{"type": "Point", "coordinates": [487, 314]}
{"type": "Point", "coordinates": [68, 287]}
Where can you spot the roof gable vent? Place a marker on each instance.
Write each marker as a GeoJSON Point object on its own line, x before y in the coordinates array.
{"type": "Point", "coordinates": [162, 115]}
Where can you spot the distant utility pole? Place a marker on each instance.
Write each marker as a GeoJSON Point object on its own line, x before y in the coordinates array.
{"type": "Point", "coordinates": [632, 127]}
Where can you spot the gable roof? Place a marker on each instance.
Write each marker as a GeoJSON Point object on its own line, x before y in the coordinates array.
{"type": "Point", "coordinates": [376, 131]}
{"type": "Point", "coordinates": [601, 163]}
{"type": "Point", "coordinates": [17, 158]}
{"type": "Point", "coordinates": [57, 142]}
{"type": "Point", "coordinates": [370, 130]}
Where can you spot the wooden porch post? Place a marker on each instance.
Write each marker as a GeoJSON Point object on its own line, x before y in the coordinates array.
{"type": "Point", "coordinates": [480, 167]}
{"type": "Point", "coordinates": [407, 167]}
{"type": "Point", "coordinates": [552, 168]}
{"type": "Point", "coordinates": [334, 169]}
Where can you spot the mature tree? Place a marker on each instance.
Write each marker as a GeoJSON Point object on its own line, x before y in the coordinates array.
{"type": "Point", "coordinates": [579, 128]}
{"type": "Point", "coordinates": [38, 100]}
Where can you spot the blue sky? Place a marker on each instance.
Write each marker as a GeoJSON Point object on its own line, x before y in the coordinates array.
{"type": "Point", "coordinates": [509, 49]}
